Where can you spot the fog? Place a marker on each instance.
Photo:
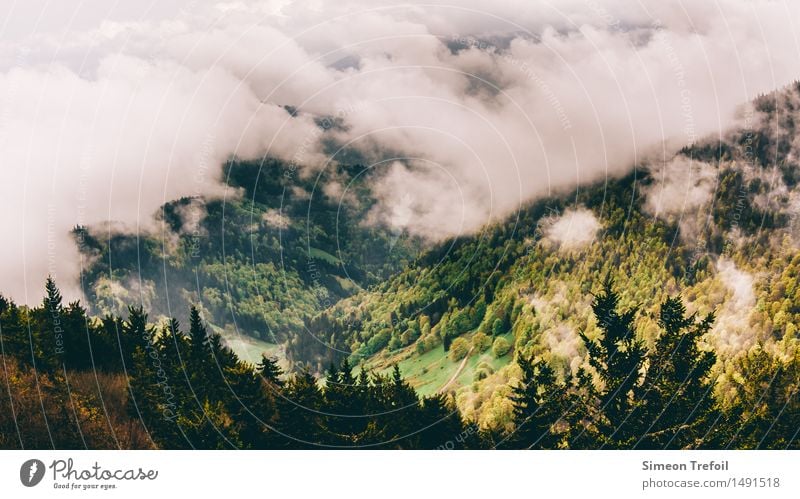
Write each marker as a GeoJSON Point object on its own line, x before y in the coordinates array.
{"type": "Point", "coordinates": [572, 230]}
{"type": "Point", "coordinates": [480, 107]}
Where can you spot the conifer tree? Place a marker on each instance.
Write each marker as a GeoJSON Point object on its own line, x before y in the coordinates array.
{"type": "Point", "coordinates": [618, 357]}
{"type": "Point", "coordinates": [270, 371]}
{"type": "Point", "coordinates": [47, 335]}
{"type": "Point", "coordinates": [536, 406]}
{"type": "Point", "coordinates": [53, 298]}
{"type": "Point", "coordinates": [765, 413]}
{"type": "Point", "coordinates": [198, 365]}
{"type": "Point", "coordinates": [81, 342]}
{"type": "Point", "coordinates": [677, 409]}
{"type": "Point", "coordinates": [142, 373]}
{"type": "Point", "coordinates": [174, 396]}
{"type": "Point", "coordinates": [344, 420]}
{"type": "Point", "coordinates": [198, 334]}
{"type": "Point", "coordinates": [440, 425]}
{"type": "Point", "coordinates": [301, 415]}
{"type": "Point", "coordinates": [403, 404]}
{"type": "Point", "coordinates": [585, 420]}
{"type": "Point", "coordinates": [251, 408]}
{"type": "Point", "coordinates": [13, 333]}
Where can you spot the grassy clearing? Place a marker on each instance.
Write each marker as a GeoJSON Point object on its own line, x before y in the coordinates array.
{"type": "Point", "coordinates": [429, 372]}
{"type": "Point", "coordinates": [323, 255]}
{"type": "Point", "coordinates": [251, 349]}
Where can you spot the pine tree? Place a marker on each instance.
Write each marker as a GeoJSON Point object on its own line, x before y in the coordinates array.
{"type": "Point", "coordinates": [220, 360]}
{"type": "Point", "coordinates": [80, 338]}
{"type": "Point", "coordinates": [252, 409]}
{"type": "Point", "coordinates": [136, 334]}
{"type": "Point", "coordinates": [765, 413]}
{"type": "Point", "coordinates": [198, 334]}
{"type": "Point", "coordinates": [120, 344]}
{"type": "Point", "coordinates": [47, 335]}
{"type": "Point", "coordinates": [403, 408]}
{"type": "Point", "coordinates": [585, 420]}
{"type": "Point", "coordinates": [53, 299]}
{"type": "Point", "coordinates": [270, 371]}
{"type": "Point", "coordinates": [537, 407]}
{"type": "Point", "coordinates": [198, 364]}
{"type": "Point", "coordinates": [13, 333]}
{"type": "Point", "coordinates": [440, 425]}
{"type": "Point", "coordinates": [678, 405]}
{"type": "Point", "coordinates": [344, 420]}
{"type": "Point", "coordinates": [173, 346]}
{"type": "Point", "coordinates": [618, 357]}
{"type": "Point", "coordinates": [301, 414]}
{"type": "Point", "coordinates": [146, 394]}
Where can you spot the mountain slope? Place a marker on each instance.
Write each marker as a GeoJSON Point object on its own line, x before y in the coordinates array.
{"type": "Point", "coordinates": [259, 263]}
{"type": "Point", "coordinates": [716, 223]}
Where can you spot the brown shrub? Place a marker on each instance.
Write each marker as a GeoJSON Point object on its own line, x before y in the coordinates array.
{"type": "Point", "coordinates": [46, 411]}
{"type": "Point", "coordinates": [109, 392]}
{"type": "Point", "coordinates": [37, 411]}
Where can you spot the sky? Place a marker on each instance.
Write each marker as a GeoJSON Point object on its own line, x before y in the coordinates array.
{"type": "Point", "coordinates": [465, 110]}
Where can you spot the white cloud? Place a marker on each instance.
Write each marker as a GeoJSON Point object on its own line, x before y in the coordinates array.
{"type": "Point", "coordinates": [732, 331]}
{"type": "Point", "coordinates": [738, 282]}
{"type": "Point", "coordinates": [275, 218]}
{"type": "Point", "coordinates": [679, 185]}
{"type": "Point", "coordinates": [562, 341]}
{"type": "Point", "coordinates": [109, 115]}
{"type": "Point", "coordinates": [574, 229]}
{"type": "Point", "coordinates": [80, 151]}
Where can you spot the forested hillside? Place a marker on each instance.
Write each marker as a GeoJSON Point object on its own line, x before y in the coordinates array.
{"type": "Point", "coordinates": [656, 310]}
{"type": "Point", "coordinates": [77, 382]}
{"type": "Point", "coordinates": [259, 262]}
{"type": "Point", "coordinates": [716, 225]}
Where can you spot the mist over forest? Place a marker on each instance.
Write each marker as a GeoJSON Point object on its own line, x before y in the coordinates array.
{"type": "Point", "coordinates": [366, 225]}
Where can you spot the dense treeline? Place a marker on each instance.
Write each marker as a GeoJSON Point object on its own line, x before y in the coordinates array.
{"type": "Point", "coordinates": [185, 389]}
{"type": "Point", "coordinates": [75, 381]}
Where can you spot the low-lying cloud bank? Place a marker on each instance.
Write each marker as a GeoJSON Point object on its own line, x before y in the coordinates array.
{"type": "Point", "coordinates": [481, 106]}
